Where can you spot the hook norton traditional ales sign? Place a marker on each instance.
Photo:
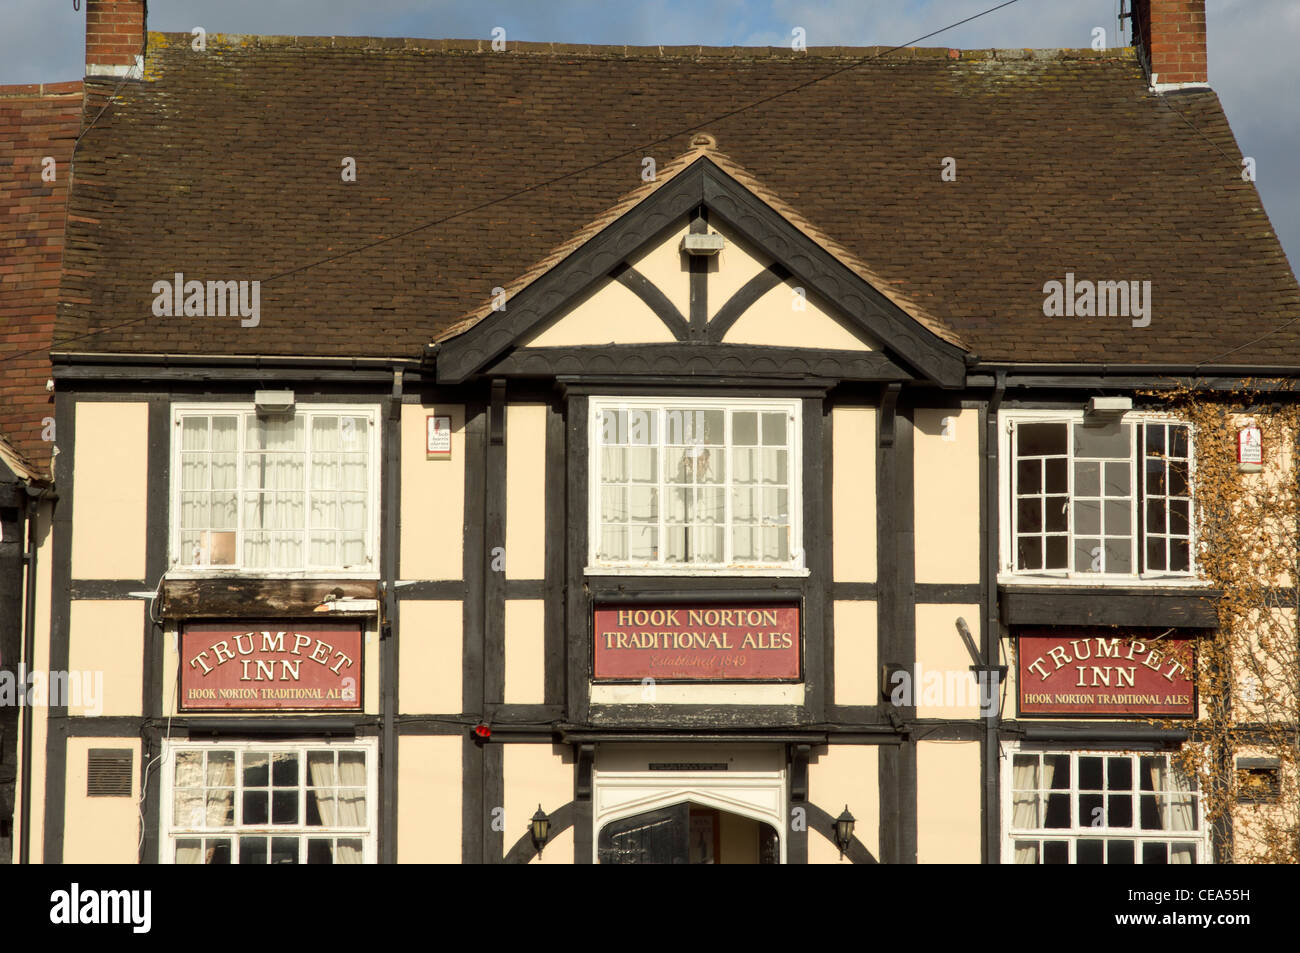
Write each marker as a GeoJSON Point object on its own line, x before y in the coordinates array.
{"type": "Point", "coordinates": [1102, 673]}
{"type": "Point", "coordinates": [271, 665]}
{"type": "Point", "coordinates": [735, 642]}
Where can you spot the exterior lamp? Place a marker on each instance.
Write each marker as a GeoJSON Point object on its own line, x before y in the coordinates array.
{"type": "Point", "coordinates": [844, 830]}
{"type": "Point", "coordinates": [541, 829]}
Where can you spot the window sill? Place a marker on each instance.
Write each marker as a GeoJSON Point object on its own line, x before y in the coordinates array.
{"type": "Point", "coordinates": [695, 571]}
{"type": "Point", "coordinates": [230, 572]}
{"type": "Point", "coordinates": [1103, 582]}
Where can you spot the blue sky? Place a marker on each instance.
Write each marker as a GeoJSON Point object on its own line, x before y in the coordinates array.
{"type": "Point", "coordinates": [1252, 43]}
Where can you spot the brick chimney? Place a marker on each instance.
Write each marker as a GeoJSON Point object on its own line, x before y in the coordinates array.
{"type": "Point", "coordinates": [115, 38]}
{"type": "Point", "coordinates": [1171, 37]}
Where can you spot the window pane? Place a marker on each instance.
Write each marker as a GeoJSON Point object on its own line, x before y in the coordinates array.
{"type": "Point", "coordinates": [255, 807]}
{"type": "Point", "coordinates": [1155, 852]}
{"type": "Point", "coordinates": [1119, 810]}
{"type": "Point", "coordinates": [1087, 479]}
{"type": "Point", "coordinates": [1090, 852]}
{"type": "Point", "coordinates": [1120, 852]}
{"type": "Point", "coordinates": [1119, 774]}
{"type": "Point", "coordinates": [1056, 476]}
{"type": "Point", "coordinates": [744, 429]}
{"type": "Point", "coordinates": [1058, 811]}
{"type": "Point", "coordinates": [1029, 515]}
{"type": "Point", "coordinates": [1040, 439]}
{"type": "Point", "coordinates": [255, 770]}
{"type": "Point", "coordinates": [284, 850]}
{"type": "Point", "coordinates": [284, 770]}
{"type": "Point", "coordinates": [1119, 555]}
{"type": "Point", "coordinates": [1087, 517]}
{"type": "Point", "coordinates": [1117, 518]}
{"type": "Point", "coordinates": [1155, 443]}
{"type": "Point", "coordinates": [1030, 552]}
{"type": "Point", "coordinates": [252, 850]}
{"type": "Point", "coordinates": [1056, 513]}
{"type": "Point", "coordinates": [1056, 852]}
{"type": "Point", "coordinates": [775, 430]}
{"type": "Point", "coordinates": [1057, 552]}
{"type": "Point", "coordinates": [1029, 476]}
{"type": "Point", "coordinates": [284, 807]}
{"type": "Point", "coordinates": [1118, 483]}
{"type": "Point", "coordinates": [1113, 440]}
{"type": "Point", "coordinates": [1090, 774]}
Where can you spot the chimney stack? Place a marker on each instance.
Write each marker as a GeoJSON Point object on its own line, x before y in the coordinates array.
{"type": "Point", "coordinates": [1171, 37]}
{"type": "Point", "coordinates": [115, 38]}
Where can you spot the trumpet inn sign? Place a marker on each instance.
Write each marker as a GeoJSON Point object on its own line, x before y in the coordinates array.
{"type": "Point", "coordinates": [697, 643]}
{"type": "Point", "coordinates": [271, 666]}
{"type": "Point", "coordinates": [1074, 674]}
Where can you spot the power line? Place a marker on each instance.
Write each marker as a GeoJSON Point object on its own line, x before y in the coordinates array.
{"type": "Point", "coordinates": [563, 176]}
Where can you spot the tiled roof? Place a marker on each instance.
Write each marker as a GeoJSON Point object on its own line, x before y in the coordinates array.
{"type": "Point", "coordinates": [225, 165]}
{"type": "Point", "coordinates": [36, 121]}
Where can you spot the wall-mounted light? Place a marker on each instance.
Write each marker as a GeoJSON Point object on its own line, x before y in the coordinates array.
{"type": "Point", "coordinates": [702, 243]}
{"type": "Point", "coordinates": [844, 830]}
{"type": "Point", "coordinates": [1107, 409]}
{"type": "Point", "coordinates": [541, 829]}
{"type": "Point", "coordinates": [273, 401]}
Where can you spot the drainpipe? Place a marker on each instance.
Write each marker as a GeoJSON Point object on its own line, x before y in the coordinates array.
{"type": "Point", "coordinates": [991, 630]}
{"type": "Point", "coordinates": [388, 647]}
{"type": "Point", "coordinates": [34, 498]}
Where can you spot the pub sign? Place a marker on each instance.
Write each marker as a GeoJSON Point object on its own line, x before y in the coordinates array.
{"type": "Point", "coordinates": [275, 665]}
{"type": "Point", "coordinates": [733, 642]}
{"type": "Point", "coordinates": [1106, 673]}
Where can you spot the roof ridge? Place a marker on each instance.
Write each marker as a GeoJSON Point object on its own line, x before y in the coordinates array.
{"type": "Point", "coordinates": [163, 40]}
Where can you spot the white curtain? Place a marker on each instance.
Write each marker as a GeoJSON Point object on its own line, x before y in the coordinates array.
{"type": "Point", "coordinates": [274, 490]}
{"type": "Point", "coordinates": [340, 474]}
{"type": "Point", "coordinates": [1177, 807]}
{"type": "Point", "coordinates": [209, 448]}
{"type": "Point", "coordinates": [340, 794]}
{"type": "Point", "coordinates": [1025, 805]}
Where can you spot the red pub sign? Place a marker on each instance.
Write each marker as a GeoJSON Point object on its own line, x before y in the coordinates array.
{"type": "Point", "coordinates": [271, 665]}
{"type": "Point", "coordinates": [736, 642]}
{"type": "Point", "coordinates": [1101, 673]}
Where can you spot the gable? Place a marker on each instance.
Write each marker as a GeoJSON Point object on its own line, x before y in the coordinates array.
{"type": "Point", "coordinates": [747, 298]}
{"type": "Point", "coordinates": [629, 284]}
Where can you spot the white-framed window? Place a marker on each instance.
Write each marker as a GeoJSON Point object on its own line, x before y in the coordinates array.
{"type": "Point", "coordinates": [252, 803]}
{"type": "Point", "coordinates": [1099, 807]}
{"type": "Point", "coordinates": [294, 492]}
{"type": "Point", "coordinates": [1097, 500]}
{"type": "Point", "coordinates": [695, 485]}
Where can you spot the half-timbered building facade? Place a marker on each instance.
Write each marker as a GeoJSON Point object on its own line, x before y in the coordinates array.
{"type": "Point", "coordinates": [448, 475]}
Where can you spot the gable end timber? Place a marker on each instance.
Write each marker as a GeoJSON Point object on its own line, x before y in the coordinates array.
{"type": "Point", "coordinates": [924, 354]}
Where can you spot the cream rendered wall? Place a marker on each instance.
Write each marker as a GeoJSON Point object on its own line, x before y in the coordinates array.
{"type": "Point", "coordinates": [525, 491]}
{"type": "Point", "coordinates": [111, 477]}
{"type": "Point", "coordinates": [100, 830]}
{"type": "Point", "coordinates": [947, 687]}
{"type": "Point", "coordinates": [106, 639]}
{"type": "Point", "coordinates": [433, 497]}
{"type": "Point", "coordinates": [525, 647]}
{"type": "Point", "coordinates": [947, 501]}
{"type": "Point", "coordinates": [369, 685]}
{"type": "Point", "coordinates": [948, 802]}
{"type": "Point", "coordinates": [610, 315]}
{"type": "Point", "coordinates": [856, 682]}
{"type": "Point", "coordinates": [840, 775]}
{"type": "Point", "coordinates": [429, 657]}
{"type": "Point", "coordinates": [429, 805]}
{"type": "Point", "coordinates": [536, 774]}
{"type": "Point", "coordinates": [664, 266]}
{"type": "Point", "coordinates": [773, 320]}
{"type": "Point", "coordinates": [731, 268]}
{"type": "Point", "coordinates": [853, 443]}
